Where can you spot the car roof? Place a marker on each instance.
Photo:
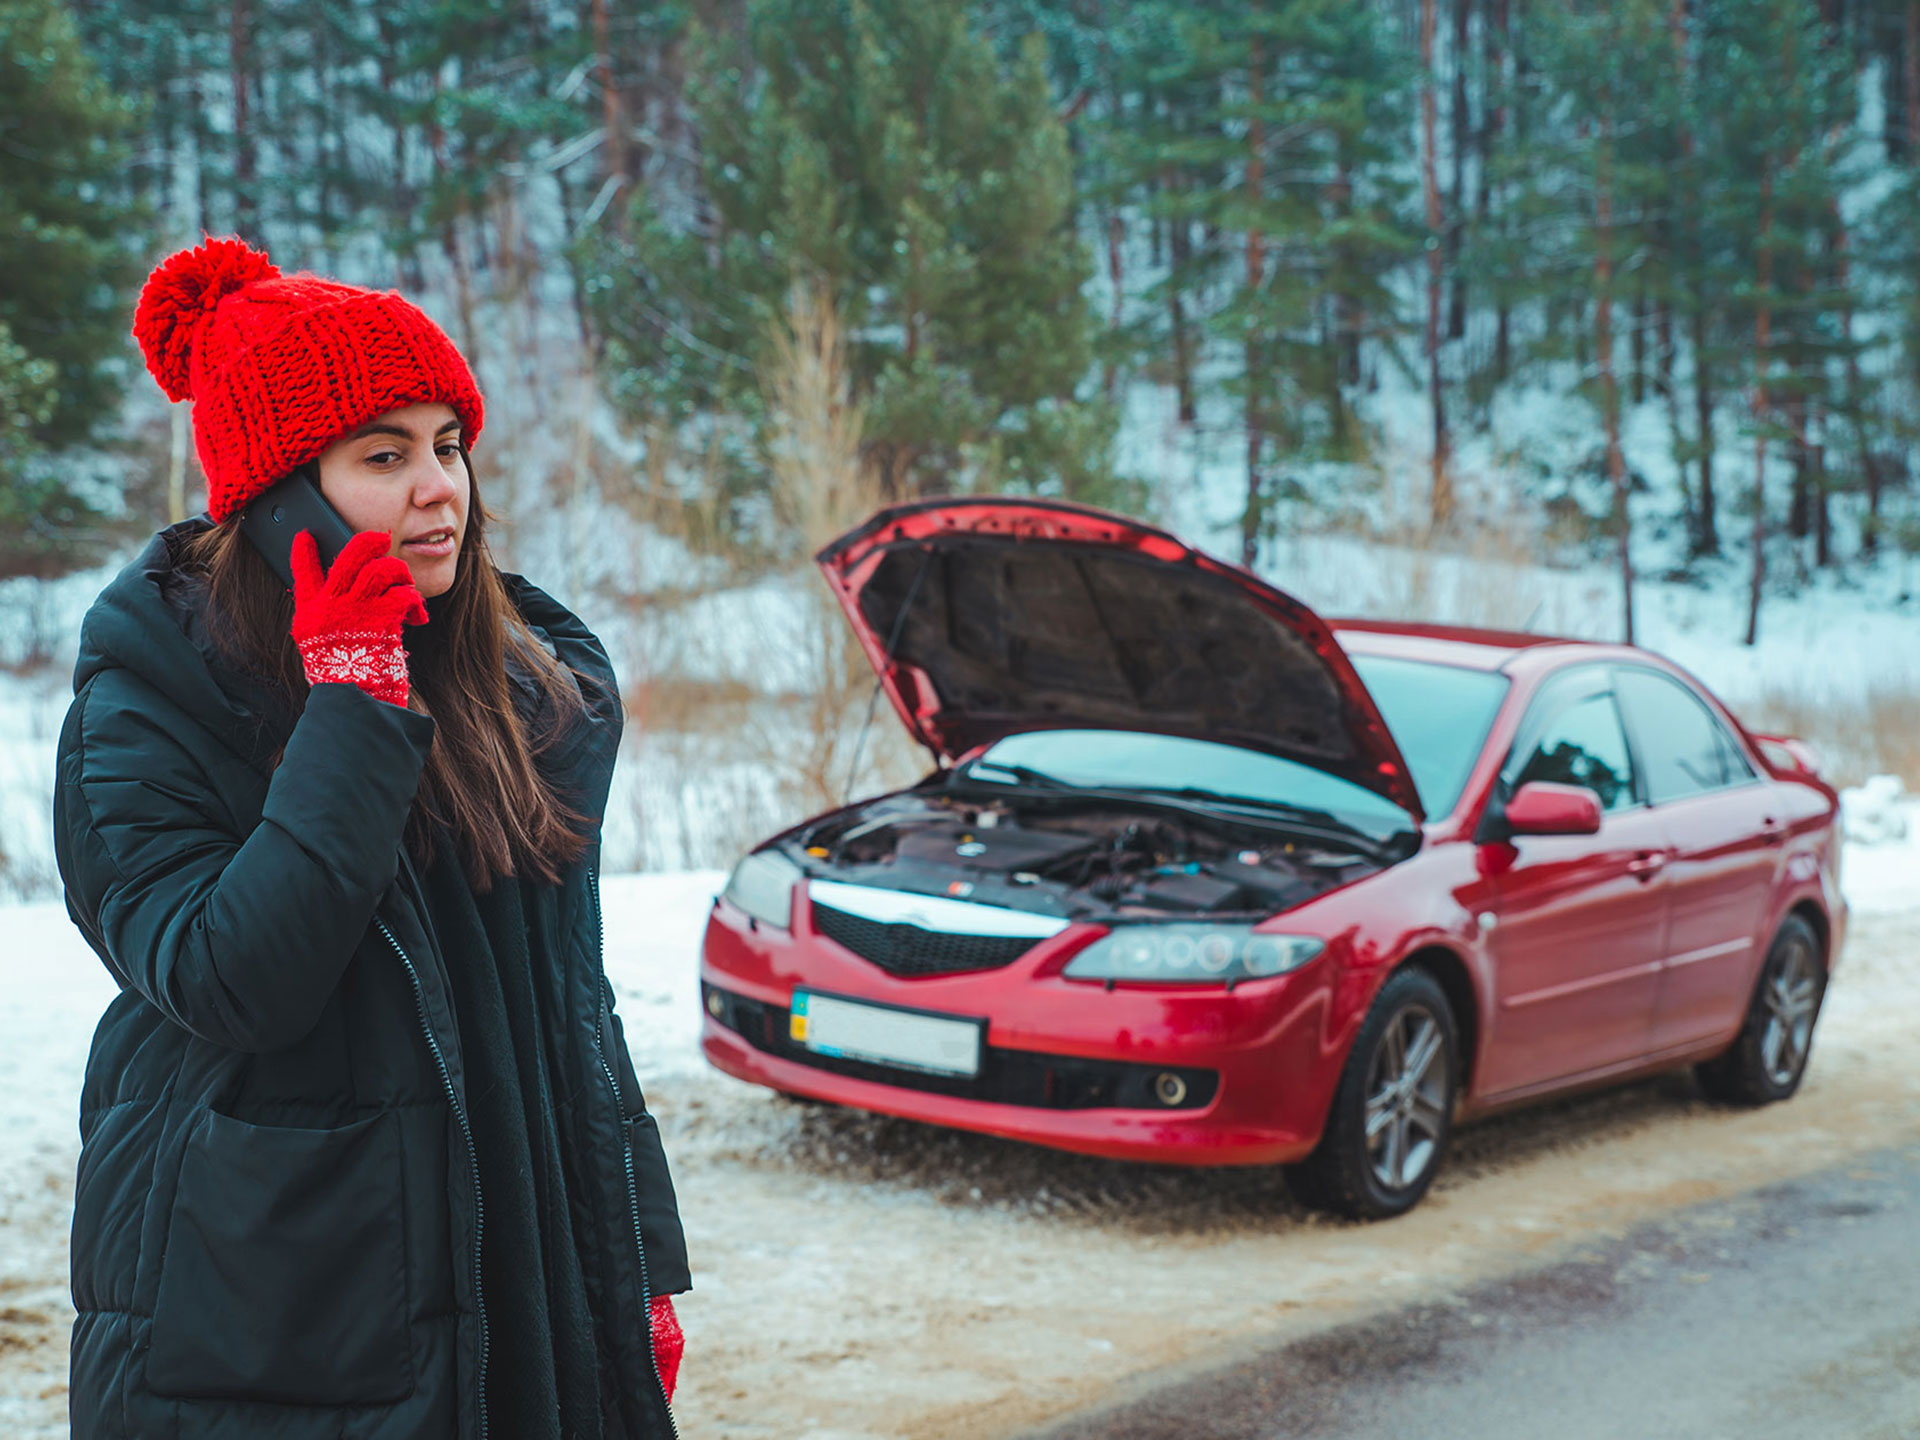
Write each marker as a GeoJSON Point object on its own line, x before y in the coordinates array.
{"type": "Point", "coordinates": [1468, 646]}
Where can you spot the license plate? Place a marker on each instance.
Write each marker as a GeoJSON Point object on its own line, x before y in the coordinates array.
{"type": "Point", "coordinates": [911, 1039]}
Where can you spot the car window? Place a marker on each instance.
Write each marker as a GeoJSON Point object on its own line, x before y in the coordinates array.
{"type": "Point", "coordinates": [1683, 747]}
{"type": "Point", "coordinates": [1438, 715]}
{"type": "Point", "coordinates": [1577, 740]}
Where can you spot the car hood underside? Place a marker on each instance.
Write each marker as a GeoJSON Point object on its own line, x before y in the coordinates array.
{"type": "Point", "coordinates": [993, 616]}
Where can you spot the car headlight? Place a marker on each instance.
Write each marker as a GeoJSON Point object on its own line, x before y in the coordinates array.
{"type": "Point", "coordinates": [1191, 954]}
{"type": "Point", "coordinates": [762, 885]}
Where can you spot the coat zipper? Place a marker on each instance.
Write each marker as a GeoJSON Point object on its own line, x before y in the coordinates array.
{"type": "Point", "coordinates": [626, 1155]}
{"type": "Point", "coordinates": [473, 1154]}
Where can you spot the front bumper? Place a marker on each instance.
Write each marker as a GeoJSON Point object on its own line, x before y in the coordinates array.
{"type": "Point", "coordinates": [1066, 1064]}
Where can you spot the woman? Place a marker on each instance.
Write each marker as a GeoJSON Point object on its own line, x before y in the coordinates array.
{"type": "Point", "coordinates": [363, 1150]}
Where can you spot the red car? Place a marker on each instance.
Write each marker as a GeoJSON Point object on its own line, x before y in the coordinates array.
{"type": "Point", "coordinates": [1202, 878]}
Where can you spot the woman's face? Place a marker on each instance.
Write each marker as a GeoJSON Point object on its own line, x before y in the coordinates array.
{"type": "Point", "coordinates": [402, 472]}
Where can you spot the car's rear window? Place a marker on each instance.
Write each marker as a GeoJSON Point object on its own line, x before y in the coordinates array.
{"type": "Point", "coordinates": [1438, 715]}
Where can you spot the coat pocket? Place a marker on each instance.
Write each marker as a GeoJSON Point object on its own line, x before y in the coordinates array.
{"type": "Point", "coordinates": [285, 1272]}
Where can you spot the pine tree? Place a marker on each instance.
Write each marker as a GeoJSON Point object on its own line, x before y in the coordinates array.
{"type": "Point", "coordinates": [1591, 192]}
{"type": "Point", "coordinates": [1771, 97]}
{"type": "Point", "coordinates": [63, 225]}
{"type": "Point", "coordinates": [878, 149]}
{"type": "Point", "coordinates": [1264, 146]}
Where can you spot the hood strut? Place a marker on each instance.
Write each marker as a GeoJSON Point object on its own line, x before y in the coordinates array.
{"type": "Point", "coordinates": [880, 679]}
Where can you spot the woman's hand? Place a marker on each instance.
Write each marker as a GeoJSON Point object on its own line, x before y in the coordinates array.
{"type": "Point", "coordinates": [347, 622]}
{"type": "Point", "coordinates": [669, 1343]}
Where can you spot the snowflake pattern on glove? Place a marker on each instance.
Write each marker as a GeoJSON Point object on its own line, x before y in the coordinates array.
{"type": "Point", "coordinates": [375, 662]}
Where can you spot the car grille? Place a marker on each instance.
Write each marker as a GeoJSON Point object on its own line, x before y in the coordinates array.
{"type": "Point", "coordinates": [1007, 1077]}
{"type": "Point", "coordinates": [910, 952]}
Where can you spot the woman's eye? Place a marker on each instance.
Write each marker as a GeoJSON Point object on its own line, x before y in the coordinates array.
{"type": "Point", "coordinates": [448, 452]}
{"type": "Point", "coordinates": [383, 457]}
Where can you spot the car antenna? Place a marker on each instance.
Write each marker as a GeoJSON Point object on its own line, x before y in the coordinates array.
{"type": "Point", "coordinates": [1528, 627]}
{"type": "Point", "coordinates": [873, 700]}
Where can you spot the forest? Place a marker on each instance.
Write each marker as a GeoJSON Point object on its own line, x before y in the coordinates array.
{"type": "Point", "coordinates": [1002, 223]}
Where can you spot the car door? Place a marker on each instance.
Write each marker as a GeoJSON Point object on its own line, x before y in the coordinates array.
{"type": "Point", "coordinates": [1726, 830]}
{"type": "Point", "coordinates": [1579, 920]}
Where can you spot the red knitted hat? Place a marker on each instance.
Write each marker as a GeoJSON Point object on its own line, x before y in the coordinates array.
{"type": "Point", "coordinates": [280, 366]}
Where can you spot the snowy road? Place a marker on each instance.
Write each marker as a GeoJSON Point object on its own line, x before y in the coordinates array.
{"type": "Point", "coordinates": [858, 1277]}
{"type": "Point", "coordinates": [1776, 1315]}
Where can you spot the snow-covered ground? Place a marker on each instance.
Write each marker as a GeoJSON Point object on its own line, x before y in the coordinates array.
{"type": "Point", "coordinates": [884, 1321]}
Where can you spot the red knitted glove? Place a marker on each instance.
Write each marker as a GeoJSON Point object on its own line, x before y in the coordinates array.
{"type": "Point", "coordinates": [669, 1343]}
{"type": "Point", "coordinates": [347, 623]}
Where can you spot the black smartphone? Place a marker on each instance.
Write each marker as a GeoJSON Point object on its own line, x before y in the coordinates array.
{"type": "Point", "coordinates": [285, 508]}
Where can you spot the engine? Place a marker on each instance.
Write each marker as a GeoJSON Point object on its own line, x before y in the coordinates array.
{"type": "Point", "coordinates": [1076, 857]}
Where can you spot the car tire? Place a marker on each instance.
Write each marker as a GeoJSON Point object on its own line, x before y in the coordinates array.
{"type": "Point", "coordinates": [1392, 1114]}
{"type": "Point", "coordinates": [1769, 1056]}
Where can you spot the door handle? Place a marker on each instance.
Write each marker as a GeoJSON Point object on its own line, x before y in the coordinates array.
{"type": "Point", "coordinates": [1647, 864]}
{"type": "Point", "coordinates": [1772, 832]}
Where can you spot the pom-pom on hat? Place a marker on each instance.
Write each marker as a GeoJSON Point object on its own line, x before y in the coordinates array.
{"type": "Point", "coordinates": [280, 366]}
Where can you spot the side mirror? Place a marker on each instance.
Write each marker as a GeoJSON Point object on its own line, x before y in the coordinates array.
{"type": "Point", "coordinates": [1541, 807]}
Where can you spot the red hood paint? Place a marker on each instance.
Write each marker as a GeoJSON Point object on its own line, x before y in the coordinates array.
{"type": "Point", "coordinates": [986, 616]}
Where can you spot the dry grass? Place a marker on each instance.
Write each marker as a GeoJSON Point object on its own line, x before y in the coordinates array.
{"type": "Point", "coordinates": [724, 759]}
{"type": "Point", "coordinates": [822, 487]}
{"type": "Point", "coordinates": [1874, 733]}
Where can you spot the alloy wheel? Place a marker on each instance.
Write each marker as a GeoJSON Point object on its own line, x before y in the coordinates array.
{"type": "Point", "coordinates": [1790, 997]}
{"type": "Point", "coordinates": [1407, 1089]}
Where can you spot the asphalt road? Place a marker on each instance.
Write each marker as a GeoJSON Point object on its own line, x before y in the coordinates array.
{"type": "Point", "coordinates": [1792, 1311]}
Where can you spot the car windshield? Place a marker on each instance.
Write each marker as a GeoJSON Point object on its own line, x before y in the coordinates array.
{"type": "Point", "coordinates": [1438, 716]}
{"type": "Point", "coordinates": [1173, 764]}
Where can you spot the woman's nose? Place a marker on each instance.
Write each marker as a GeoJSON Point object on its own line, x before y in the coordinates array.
{"type": "Point", "coordinates": [432, 486]}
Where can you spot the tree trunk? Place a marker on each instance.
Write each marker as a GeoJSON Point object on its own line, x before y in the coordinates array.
{"type": "Point", "coordinates": [1641, 324]}
{"type": "Point", "coordinates": [1856, 392]}
{"type": "Point", "coordinates": [1493, 120]}
{"type": "Point", "coordinates": [1799, 494]}
{"type": "Point", "coordinates": [1498, 31]}
{"type": "Point", "coordinates": [1762, 339]}
{"type": "Point", "coordinates": [450, 237]}
{"type": "Point", "coordinates": [1706, 537]}
{"type": "Point", "coordinates": [1116, 232]}
{"type": "Point", "coordinates": [1603, 352]}
{"type": "Point", "coordinates": [1822, 512]}
{"type": "Point", "coordinates": [177, 465]}
{"type": "Point", "coordinates": [1910, 80]}
{"type": "Point", "coordinates": [589, 339]}
{"type": "Point", "coordinates": [1669, 390]}
{"type": "Point", "coordinates": [1180, 253]}
{"type": "Point", "coordinates": [1441, 513]}
{"type": "Point", "coordinates": [246, 201]}
{"type": "Point", "coordinates": [407, 262]}
{"type": "Point", "coordinates": [1344, 371]}
{"type": "Point", "coordinates": [1256, 269]}
{"type": "Point", "coordinates": [613, 148]}
{"type": "Point", "coordinates": [1462, 124]}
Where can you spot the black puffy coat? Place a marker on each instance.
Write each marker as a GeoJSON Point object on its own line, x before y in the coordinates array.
{"type": "Point", "coordinates": [277, 1217]}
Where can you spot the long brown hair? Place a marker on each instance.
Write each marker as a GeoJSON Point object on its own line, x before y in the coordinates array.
{"type": "Point", "coordinates": [481, 783]}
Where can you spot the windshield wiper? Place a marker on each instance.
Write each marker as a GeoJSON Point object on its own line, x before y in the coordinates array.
{"type": "Point", "coordinates": [1033, 779]}
{"type": "Point", "coordinates": [1244, 805]}
{"type": "Point", "coordinates": [1248, 802]}
{"type": "Point", "coordinates": [1198, 801]}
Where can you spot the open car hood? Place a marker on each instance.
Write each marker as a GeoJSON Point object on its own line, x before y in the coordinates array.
{"type": "Point", "coordinates": [991, 615]}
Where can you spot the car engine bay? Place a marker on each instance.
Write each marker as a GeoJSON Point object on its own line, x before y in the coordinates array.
{"type": "Point", "coordinates": [1077, 857]}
